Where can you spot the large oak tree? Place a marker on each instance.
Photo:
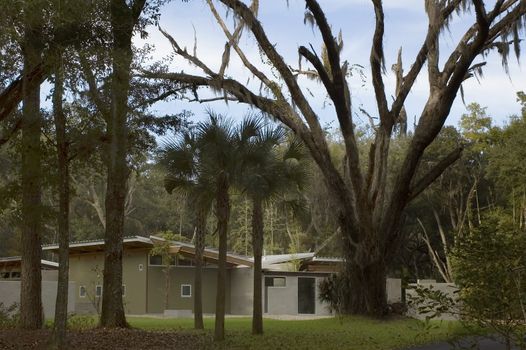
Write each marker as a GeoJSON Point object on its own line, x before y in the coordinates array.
{"type": "Point", "coordinates": [371, 210]}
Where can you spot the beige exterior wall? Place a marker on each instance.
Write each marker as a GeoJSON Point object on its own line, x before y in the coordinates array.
{"type": "Point", "coordinates": [87, 270]}
{"type": "Point", "coordinates": [179, 276]}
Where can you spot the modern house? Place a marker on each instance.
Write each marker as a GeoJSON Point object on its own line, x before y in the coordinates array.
{"type": "Point", "coordinates": [10, 273]}
{"type": "Point", "coordinates": [290, 281]}
{"type": "Point", "coordinates": [11, 269]}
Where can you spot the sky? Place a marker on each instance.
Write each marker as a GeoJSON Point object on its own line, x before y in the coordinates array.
{"type": "Point", "coordinates": [405, 26]}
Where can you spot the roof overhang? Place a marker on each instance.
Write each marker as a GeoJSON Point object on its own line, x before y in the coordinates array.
{"type": "Point", "coordinates": [95, 246]}
{"type": "Point", "coordinates": [16, 261]}
{"type": "Point", "coordinates": [210, 255]}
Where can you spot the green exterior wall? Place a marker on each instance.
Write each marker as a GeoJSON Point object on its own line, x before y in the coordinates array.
{"type": "Point", "coordinates": [86, 270]}
{"type": "Point", "coordinates": [179, 276]}
{"type": "Point", "coordinates": [144, 289]}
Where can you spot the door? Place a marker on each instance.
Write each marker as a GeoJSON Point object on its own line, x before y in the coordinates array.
{"type": "Point", "coordinates": [306, 295]}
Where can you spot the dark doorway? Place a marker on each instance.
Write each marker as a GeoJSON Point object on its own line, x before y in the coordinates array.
{"type": "Point", "coordinates": [306, 295]}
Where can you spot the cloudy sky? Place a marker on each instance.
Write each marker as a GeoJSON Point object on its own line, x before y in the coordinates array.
{"type": "Point", "coordinates": [406, 26]}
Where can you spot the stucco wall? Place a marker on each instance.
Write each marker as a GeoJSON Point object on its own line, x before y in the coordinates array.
{"type": "Point", "coordinates": [179, 276]}
{"type": "Point", "coordinates": [10, 293]}
{"type": "Point", "coordinates": [87, 270]}
{"type": "Point", "coordinates": [394, 290]}
{"type": "Point", "coordinates": [284, 300]}
{"type": "Point", "coordinates": [242, 286]}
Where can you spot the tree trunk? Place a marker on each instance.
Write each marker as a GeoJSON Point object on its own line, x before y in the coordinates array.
{"type": "Point", "coordinates": [112, 314]}
{"type": "Point", "coordinates": [198, 279]}
{"type": "Point", "coordinates": [222, 213]}
{"type": "Point", "coordinates": [167, 283]}
{"type": "Point", "coordinates": [30, 295]}
{"type": "Point", "coordinates": [365, 273]}
{"type": "Point", "coordinates": [257, 246]}
{"type": "Point", "coordinates": [61, 306]}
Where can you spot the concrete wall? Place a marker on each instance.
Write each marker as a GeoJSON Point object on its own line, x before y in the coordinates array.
{"type": "Point", "coordinates": [284, 300]}
{"type": "Point", "coordinates": [242, 287]}
{"type": "Point", "coordinates": [10, 293]}
{"type": "Point", "coordinates": [447, 288]}
{"type": "Point", "coordinates": [394, 290]}
{"type": "Point", "coordinates": [87, 270]}
{"type": "Point", "coordinates": [179, 276]}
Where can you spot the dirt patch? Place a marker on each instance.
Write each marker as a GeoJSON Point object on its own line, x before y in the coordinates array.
{"type": "Point", "coordinates": [100, 338]}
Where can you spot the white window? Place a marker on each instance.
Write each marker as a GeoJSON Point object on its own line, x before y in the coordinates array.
{"type": "Point", "coordinates": [98, 291]}
{"type": "Point", "coordinates": [123, 290]}
{"type": "Point", "coordinates": [186, 290]}
{"type": "Point", "coordinates": [82, 291]}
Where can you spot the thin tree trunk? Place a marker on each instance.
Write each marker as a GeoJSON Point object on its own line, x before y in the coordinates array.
{"type": "Point", "coordinates": [31, 315]}
{"type": "Point", "coordinates": [61, 306]}
{"type": "Point", "coordinates": [122, 21]}
{"type": "Point", "coordinates": [223, 213]}
{"type": "Point", "coordinates": [257, 246]}
{"type": "Point", "coordinates": [167, 283]}
{"type": "Point", "coordinates": [198, 284]}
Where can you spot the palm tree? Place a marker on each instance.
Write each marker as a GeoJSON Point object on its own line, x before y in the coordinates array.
{"type": "Point", "coordinates": [181, 160]}
{"type": "Point", "coordinates": [269, 174]}
{"type": "Point", "coordinates": [210, 161]}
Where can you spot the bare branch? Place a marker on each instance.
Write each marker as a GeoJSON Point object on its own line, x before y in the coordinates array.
{"type": "Point", "coordinates": [191, 58]}
{"type": "Point", "coordinates": [420, 59]}
{"type": "Point", "coordinates": [93, 89]}
{"type": "Point", "coordinates": [377, 64]}
{"type": "Point", "coordinates": [12, 95]}
{"type": "Point", "coordinates": [434, 173]}
{"type": "Point", "coordinates": [296, 93]}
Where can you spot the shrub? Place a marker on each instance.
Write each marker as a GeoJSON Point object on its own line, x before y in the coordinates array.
{"type": "Point", "coordinates": [331, 291]}
{"type": "Point", "coordinates": [9, 315]}
{"type": "Point", "coordinates": [82, 322]}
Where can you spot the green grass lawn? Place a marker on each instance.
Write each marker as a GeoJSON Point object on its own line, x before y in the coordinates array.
{"type": "Point", "coordinates": [331, 333]}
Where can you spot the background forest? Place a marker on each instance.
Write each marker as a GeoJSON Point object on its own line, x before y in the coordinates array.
{"type": "Point", "coordinates": [488, 178]}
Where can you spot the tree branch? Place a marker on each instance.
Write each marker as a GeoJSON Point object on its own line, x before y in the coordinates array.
{"type": "Point", "coordinates": [434, 173]}
{"type": "Point", "coordinates": [11, 132]}
{"type": "Point", "coordinates": [377, 63]}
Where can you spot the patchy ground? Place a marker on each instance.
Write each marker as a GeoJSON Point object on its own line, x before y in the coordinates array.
{"type": "Point", "coordinates": [99, 338]}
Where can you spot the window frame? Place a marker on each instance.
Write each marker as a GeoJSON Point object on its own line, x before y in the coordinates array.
{"type": "Point", "coordinates": [83, 288]}
{"type": "Point", "coordinates": [123, 290]}
{"type": "Point", "coordinates": [273, 286]}
{"type": "Point", "coordinates": [97, 287]}
{"type": "Point", "coordinates": [182, 288]}
{"type": "Point", "coordinates": [150, 261]}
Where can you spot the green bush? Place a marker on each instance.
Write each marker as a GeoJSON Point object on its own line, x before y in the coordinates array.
{"type": "Point", "coordinates": [9, 315]}
{"type": "Point", "coordinates": [82, 322]}
{"type": "Point", "coordinates": [331, 291]}
{"type": "Point", "coordinates": [490, 270]}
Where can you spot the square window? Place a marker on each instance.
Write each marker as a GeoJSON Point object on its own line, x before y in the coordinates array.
{"type": "Point", "coordinates": [82, 291]}
{"type": "Point", "coordinates": [4, 275]}
{"type": "Point", "coordinates": [275, 282]}
{"type": "Point", "coordinates": [156, 260]}
{"type": "Point", "coordinates": [15, 274]}
{"type": "Point", "coordinates": [186, 290]}
{"type": "Point", "coordinates": [98, 291]}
